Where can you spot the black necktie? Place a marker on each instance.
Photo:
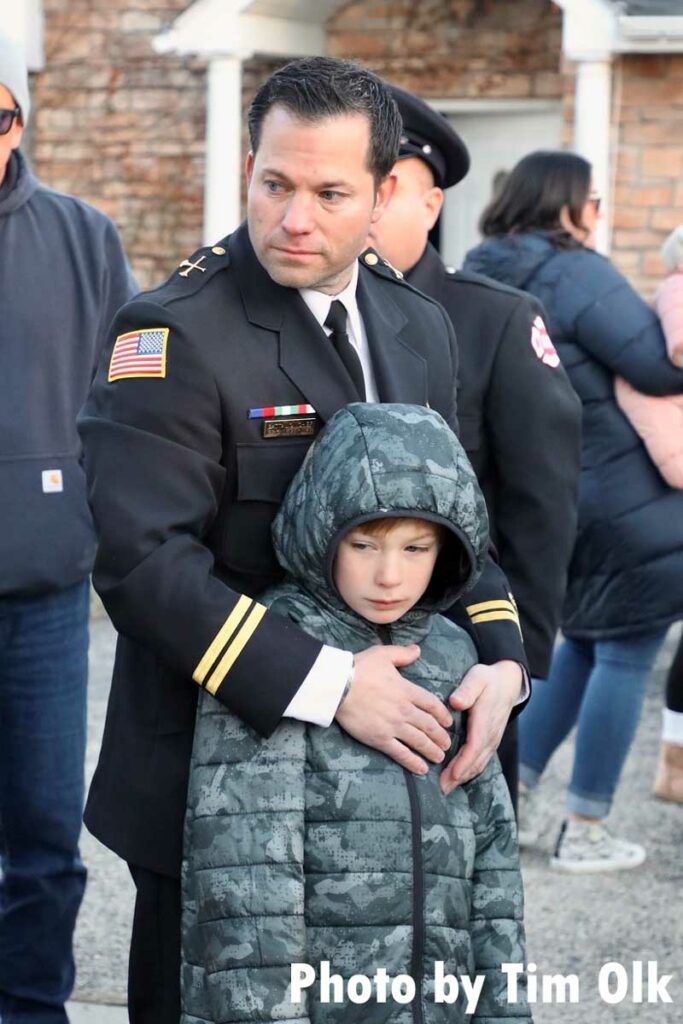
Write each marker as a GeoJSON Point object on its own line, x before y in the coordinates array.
{"type": "Point", "coordinates": [336, 322]}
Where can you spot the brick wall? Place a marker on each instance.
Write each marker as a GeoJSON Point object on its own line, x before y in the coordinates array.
{"type": "Point", "coordinates": [456, 48]}
{"type": "Point", "coordinates": [649, 163]}
{"type": "Point", "coordinates": [123, 127]}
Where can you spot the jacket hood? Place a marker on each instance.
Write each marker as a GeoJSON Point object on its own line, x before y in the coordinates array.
{"type": "Point", "coordinates": [19, 184]}
{"type": "Point", "coordinates": [511, 259]}
{"type": "Point", "coordinates": [373, 461]}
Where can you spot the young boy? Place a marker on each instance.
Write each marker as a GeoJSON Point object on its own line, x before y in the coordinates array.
{"type": "Point", "coordinates": [310, 849]}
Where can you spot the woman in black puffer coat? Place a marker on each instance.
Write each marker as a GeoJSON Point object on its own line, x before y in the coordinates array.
{"type": "Point", "coordinates": [626, 576]}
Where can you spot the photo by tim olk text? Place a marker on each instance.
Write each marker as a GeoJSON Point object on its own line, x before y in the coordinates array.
{"type": "Point", "coordinates": [637, 982]}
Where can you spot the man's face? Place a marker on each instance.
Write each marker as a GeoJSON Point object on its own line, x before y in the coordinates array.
{"type": "Point", "coordinates": [311, 198]}
{"type": "Point", "coordinates": [382, 577]}
{"type": "Point", "coordinates": [13, 138]}
{"type": "Point", "coordinates": [400, 235]}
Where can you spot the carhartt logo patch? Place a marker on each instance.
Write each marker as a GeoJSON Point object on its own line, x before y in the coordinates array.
{"type": "Point", "coordinates": [52, 481]}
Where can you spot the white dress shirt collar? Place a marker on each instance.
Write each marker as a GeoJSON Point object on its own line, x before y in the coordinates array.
{"type": "Point", "coordinates": [319, 302]}
{"type": "Point", "coordinates": [319, 305]}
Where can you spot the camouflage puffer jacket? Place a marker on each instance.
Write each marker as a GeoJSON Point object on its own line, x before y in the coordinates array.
{"type": "Point", "coordinates": [310, 847]}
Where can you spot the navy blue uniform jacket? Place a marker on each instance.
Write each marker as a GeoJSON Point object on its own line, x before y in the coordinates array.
{"type": "Point", "coordinates": [184, 487]}
{"type": "Point", "coordinates": [520, 424]}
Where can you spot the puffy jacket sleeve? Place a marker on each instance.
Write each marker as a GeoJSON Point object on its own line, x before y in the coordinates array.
{"type": "Point", "coordinates": [496, 921]}
{"type": "Point", "coordinates": [617, 327]}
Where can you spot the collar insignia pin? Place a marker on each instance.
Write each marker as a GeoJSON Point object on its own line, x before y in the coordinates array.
{"type": "Point", "coordinates": [192, 266]}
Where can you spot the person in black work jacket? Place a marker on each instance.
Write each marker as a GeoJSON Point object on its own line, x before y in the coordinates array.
{"type": "Point", "coordinates": [203, 408]}
{"type": "Point", "coordinates": [519, 415]}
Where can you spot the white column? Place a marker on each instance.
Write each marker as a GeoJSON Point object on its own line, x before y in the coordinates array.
{"type": "Point", "coordinates": [592, 131]}
{"type": "Point", "coordinates": [23, 21]}
{"type": "Point", "coordinates": [223, 148]}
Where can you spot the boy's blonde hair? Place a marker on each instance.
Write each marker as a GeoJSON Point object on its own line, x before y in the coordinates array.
{"type": "Point", "coordinates": [381, 527]}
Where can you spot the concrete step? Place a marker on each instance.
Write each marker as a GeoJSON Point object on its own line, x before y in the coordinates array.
{"type": "Point", "coordinates": [96, 1013]}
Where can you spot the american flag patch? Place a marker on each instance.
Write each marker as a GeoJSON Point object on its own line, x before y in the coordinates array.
{"type": "Point", "coordinates": [139, 354]}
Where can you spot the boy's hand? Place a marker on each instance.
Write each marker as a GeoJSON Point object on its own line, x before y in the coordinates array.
{"type": "Point", "coordinates": [488, 693]}
{"type": "Point", "coordinates": [385, 711]}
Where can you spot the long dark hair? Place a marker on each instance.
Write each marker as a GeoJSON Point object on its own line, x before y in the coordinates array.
{"type": "Point", "coordinates": [534, 193]}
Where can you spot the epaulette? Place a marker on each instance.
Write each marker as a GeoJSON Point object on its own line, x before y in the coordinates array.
{"type": "Point", "coordinates": [371, 259]}
{"type": "Point", "coordinates": [193, 273]}
{"type": "Point", "coordinates": [482, 281]}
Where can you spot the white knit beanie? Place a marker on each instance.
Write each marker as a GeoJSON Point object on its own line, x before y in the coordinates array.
{"type": "Point", "coordinates": [14, 74]}
{"type": "Point", "coordinates": [672, 250]}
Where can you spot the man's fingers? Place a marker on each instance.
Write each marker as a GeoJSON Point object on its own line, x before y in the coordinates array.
{"type": "Point", "coordinates": [391, 714]}
{"type": "Point", "coordinates": [427, 724]}
{"type": "Point", "coordinates": [431, 705]}
{"type": "Point", "coordinates": [467, 693]}
{"type": "Point", "coordinates": [476, 768]}
{"type": "Point", "coordinates": [404, 757]}
{"type": "Point", "coordinates": [459, 767]}
{"type": "Point", "coordinates": [420, 742]}
{"type": "Point", "coordinates": [468, 763]}
{"type": "Point", "coordinates": [401, 656]}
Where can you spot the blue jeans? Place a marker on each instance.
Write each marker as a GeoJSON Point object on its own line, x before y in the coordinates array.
{"type": "Point", "coordinates": [43, 678]}
{"type": "Point", "coordinates": [599, 686]}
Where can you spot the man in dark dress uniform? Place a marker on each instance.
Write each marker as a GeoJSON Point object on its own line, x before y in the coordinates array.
{"type": "Point", "coordinates": [204, 405]}
{"type": "Point", "coordinates": [519, 416]}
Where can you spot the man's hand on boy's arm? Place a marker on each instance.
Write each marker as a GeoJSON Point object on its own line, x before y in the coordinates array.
{"type": "Point", "coordinates": [386, 712]}
{"type": "Point", "coordinates": [488, 693]}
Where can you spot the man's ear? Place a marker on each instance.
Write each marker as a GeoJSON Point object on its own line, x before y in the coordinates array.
{"type": "Point", "coordinates": [249, 167]}
{"type": "Point", "coordinates": [385, 191]}
{"type": "Point", "coordinates": [433, 201]}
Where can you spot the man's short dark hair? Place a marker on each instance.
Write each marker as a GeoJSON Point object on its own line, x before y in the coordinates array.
{"type": "Point", "coordinates": [317, 87]}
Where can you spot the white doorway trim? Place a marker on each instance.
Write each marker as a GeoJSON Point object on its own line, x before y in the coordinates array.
{"type": "Point", "coordinates": [23, 20]}
{"type": "Point", "coordinates": [498, 134]}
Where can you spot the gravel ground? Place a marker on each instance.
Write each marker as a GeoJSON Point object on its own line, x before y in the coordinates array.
{"type": "Point", "coordinates": [574, 924]}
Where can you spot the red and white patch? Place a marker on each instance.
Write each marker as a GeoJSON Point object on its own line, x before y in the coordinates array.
{"type": "Point", "coordinates": [542, 345]}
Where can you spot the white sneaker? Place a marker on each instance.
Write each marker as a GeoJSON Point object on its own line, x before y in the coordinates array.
{"type": "Point", "coordinates": [532, 816]}
{"type": "Point", "coordinates": [584, 846]}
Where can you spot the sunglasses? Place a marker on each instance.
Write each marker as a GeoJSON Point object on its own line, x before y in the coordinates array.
{"type": "Point", "coordinates": [7, 119]}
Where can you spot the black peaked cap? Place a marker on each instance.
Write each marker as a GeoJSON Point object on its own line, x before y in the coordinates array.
{"type": "Point", "coordinates": [427, 134]}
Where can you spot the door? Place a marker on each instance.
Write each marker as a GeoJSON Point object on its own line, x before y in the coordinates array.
{"type": "Point", "coordinates": [496, 141]}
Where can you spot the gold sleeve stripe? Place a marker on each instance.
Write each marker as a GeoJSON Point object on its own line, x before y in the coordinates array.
{"type": "Point", "coordinates": [493, 616]}
{"type": "Point", "coordinates": [221, 638]}
{"type": "Point", "coordinates": [235, 648]}
{"type": "Point", "coordinates": [489, 606]}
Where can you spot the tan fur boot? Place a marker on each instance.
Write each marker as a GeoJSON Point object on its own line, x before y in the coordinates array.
{"type": "Point", "coordinates": [669, 781]}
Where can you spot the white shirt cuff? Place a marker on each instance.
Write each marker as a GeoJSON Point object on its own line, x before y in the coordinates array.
{"type": "Point", "coordinates": [526, 687]}
{"type": "Point", "coordinates": [318, 697]}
